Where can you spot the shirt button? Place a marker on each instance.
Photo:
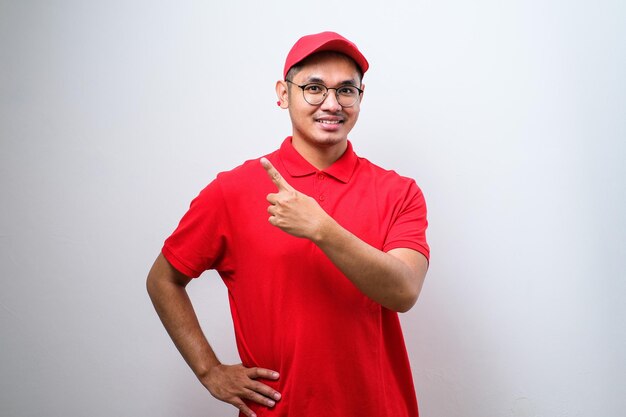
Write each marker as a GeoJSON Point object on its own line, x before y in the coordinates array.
{"type": "Point", "coordinates": [322, 197]}
{"type": "Point", "coordinates": [321, 176]}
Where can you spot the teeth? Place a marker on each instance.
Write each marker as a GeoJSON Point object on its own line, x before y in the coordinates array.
{"type": "Point", "coordinates": [330, 122]}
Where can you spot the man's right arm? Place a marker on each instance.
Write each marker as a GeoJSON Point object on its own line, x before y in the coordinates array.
{"type": "Point", "coordinates": [229, 383]}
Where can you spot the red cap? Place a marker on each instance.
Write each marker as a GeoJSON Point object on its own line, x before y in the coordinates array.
{"type": "Point", "coordinates": [325, 41]}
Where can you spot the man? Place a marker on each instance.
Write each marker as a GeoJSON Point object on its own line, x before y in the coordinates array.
{"type": "Point", "coordinates": [319, 250]}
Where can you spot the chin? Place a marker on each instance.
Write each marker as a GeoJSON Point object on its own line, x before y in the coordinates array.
{"type": "Point", "coordinates": [330, 138]}
{"type": "Point", "coordinates": [328, 141]}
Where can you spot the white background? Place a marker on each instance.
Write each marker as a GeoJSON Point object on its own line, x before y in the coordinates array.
{"type": "Point", "coordinates": [509, 114]}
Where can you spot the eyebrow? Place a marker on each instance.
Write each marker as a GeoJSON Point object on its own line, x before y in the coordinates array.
{"type": "Point", "coordinates": [314, 79]}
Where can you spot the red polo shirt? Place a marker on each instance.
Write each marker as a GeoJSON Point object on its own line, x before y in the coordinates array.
{"type": "Point", "coordinates": [338, 352]}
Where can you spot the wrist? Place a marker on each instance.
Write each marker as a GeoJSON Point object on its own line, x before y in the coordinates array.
{"type": "Point", "coordinates": [324, 231]}
{"type": "Point", "coordinates": [203, 371]}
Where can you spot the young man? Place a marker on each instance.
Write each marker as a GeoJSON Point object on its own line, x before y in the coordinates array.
{"type": "Point", "coordinates": [319, 250]}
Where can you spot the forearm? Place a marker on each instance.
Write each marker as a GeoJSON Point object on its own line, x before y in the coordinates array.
{"type": "Point", "coordinates": [229, 383]}
{"type": "Point", "coordinates": [393, 279]}
{"type": "Point", "coordinates": [172, 304]}
{"type": "Point", "coordinates": [385, 278]}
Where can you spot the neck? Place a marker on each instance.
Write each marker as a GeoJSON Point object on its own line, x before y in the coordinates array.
{"type": "Point", "coordinates": [320, 156]}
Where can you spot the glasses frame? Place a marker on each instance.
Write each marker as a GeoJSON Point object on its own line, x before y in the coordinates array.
{"type": "Point", "coordinates": [304, 86]}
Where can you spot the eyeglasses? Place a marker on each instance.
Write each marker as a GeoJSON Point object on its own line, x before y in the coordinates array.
{"type": "Point", "coordinates": [315, 94]}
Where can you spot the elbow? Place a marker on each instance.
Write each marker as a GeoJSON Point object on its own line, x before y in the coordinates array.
{"type": "Point", "coordinates": [406, 298]}
{"type": "Point", "coordinates": [410, 292]}
{"type": "Point", "coordinates": [403, 301]}
{"type": "Point", "coordinates": [406, 303]}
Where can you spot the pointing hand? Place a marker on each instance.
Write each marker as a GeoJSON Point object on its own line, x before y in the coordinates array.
{"type": "Point", "coordinates": [292, 211]}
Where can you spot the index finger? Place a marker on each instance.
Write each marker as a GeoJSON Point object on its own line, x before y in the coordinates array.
{"type": "Point", "coordinates": [275, 176]}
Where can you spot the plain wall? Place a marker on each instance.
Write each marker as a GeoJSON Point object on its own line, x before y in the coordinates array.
{"type": "Point", "coordinates": [509, 114]}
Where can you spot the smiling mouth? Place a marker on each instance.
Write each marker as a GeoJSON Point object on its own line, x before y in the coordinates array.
{"type": "Point", "coordinates": [329, 122]}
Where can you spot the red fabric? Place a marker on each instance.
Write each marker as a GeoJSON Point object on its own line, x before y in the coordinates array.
{"type": "Point", "coordinates": [338, 352]}
{"type": "Point", "coordinates": [324, 41]}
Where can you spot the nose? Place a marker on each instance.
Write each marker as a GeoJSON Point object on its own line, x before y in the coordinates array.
{"type": "Point", "coordinates": [330, 102]}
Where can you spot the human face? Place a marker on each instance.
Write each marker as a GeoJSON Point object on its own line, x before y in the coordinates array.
{"type": "Point", "coordinates": [327, 124]}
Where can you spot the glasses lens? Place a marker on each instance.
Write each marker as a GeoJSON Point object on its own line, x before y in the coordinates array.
{"type": "Point", "coordinates": [347, 95]}
{"type": "Point", "coordinates": [314, 93]}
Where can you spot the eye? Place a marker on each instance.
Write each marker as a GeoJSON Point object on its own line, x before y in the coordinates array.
{"type": "Point", "coordinates": [347, 91]}
{"type": "Point", "coordinates": [314, 89]}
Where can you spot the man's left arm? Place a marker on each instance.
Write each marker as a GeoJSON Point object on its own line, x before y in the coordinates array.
{"type": "Point", "coordinates": [394, 279]}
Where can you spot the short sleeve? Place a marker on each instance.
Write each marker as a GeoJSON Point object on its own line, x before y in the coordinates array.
{"type": "Point", "coordinates": [408, 228]}
{"type": "Point", "coordinates": [200, 241]}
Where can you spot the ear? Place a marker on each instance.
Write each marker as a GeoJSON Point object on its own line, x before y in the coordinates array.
{"type": "Point", "coordinates": [283, 94]}
{"type": "Point", "coordinates": [363, 93]}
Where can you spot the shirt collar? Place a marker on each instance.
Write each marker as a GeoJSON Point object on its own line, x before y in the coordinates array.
{"type": "Point", "coordinates": [342, 169]}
